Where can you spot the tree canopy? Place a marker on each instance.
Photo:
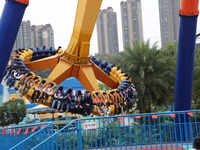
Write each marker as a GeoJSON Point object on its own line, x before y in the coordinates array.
{"type": "Point", "coordinates": [12, 112]}
{"type": "Point", "coordinates": [152, 71]}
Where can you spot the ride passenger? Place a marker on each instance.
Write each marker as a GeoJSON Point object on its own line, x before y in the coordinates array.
{"type": "Point", "coordinates": [10, 70]}
{"type": "Point", "coordinates": [65, 103]}
{"type": "Point", "coordinates": [18, 74]}
{"type": "Point", "coordinates": [29, 85]}
{"type": "Point", "coordinates": [23, 81]}
{"type": "Point", "coordinates": [99, 103]}
{"type": "Point", "coordinates": [79, 102]}
{"type": "Point", "coordinates": [107, 103]}
{"type": "Point", "coordinates": [88, 104]}
{"type": "Point", "coordinates": [58, 96]}
{"type": "Point", "coordinates": [113, 98]}
{"type": "Point", "coordinates": [120, 102]}
{"type": "Point", "coordinates": [72, 103]}
{"type": "Point", "coordinates": [37, 91]}
{"type": "Point", "coordinates": [46, 92]}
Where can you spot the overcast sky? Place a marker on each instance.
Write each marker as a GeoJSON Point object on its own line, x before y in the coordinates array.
{"type": "Point", "coordinates": [61, 13]}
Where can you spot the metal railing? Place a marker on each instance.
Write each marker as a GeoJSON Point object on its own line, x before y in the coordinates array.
{"type": "Point", "coordinates": [167, 130]}
{"type": "Point", "coordinates": [11, 136]}
{"type": "Point", "coordinates": [66, 138]}
{"type": "Point", "coordinates": [35, 138]}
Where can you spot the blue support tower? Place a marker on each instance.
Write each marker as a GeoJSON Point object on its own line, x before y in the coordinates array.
{"type": "Point", "coordinates": [185, 65]}
{"type": "Point", "coordinates": [185, 62]}
{"type": "Point", "coordinates": [9, 25]}
{"type": "Point", "coordinates": [186, 50]}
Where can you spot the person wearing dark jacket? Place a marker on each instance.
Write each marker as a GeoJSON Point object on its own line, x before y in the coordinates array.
{"type": "Point", "coordinates": [66, 100]}
{"type": "Point", "coordinates": [58, 96]}
{"type": "Point", "coordinates": [79, 102]}
{"type": "Point", "coordinates": [196, 143]}
{"type": "Point", "coordinates": [87, 103]}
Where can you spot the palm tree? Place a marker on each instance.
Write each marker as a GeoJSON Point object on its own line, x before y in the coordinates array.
{"type": "Point", "coordinates": [196, 81]}
{"type": "Point", "coordinates": [152, 72]}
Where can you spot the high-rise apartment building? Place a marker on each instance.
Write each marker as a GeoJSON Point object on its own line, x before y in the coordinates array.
{"type": "Point", "coordinates": [23, 39]}
{"type": "Point", "coordinates": [132, 26]}
{"type": "Point", "coordinates": [42, 35]}
{"type": "Point", "coordinates": [107, 32]}
{"type": "Point", "coordinates": [169, 21]}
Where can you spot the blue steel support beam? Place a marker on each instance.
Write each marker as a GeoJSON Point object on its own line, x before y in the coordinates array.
{"type": "Point", "coordinates": [9, 25]}
{"type": "Point", "coordinates": [185, 65]}
{"type": "Point", "coordinates": [185, 62]}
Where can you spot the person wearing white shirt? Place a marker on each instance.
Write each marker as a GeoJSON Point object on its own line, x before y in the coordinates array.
{"type": "Point", "coordinates": [18, 74]}
{"type": "Point", "coordinates": [46, 92]}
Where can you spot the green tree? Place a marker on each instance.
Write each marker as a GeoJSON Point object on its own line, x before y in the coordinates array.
{"type": "Point", "coordinates": [196, 81]}
{"type": "Point", "coordinates": [12, 112]}
{"type": "Point", "coordinates": [4, 116]}
{"type": "Point", "coordinates": [43, 73]}
{"type": "Point", "coordinates": [152, 72]}
{"type": "Point", "coordinates": [103, 87]}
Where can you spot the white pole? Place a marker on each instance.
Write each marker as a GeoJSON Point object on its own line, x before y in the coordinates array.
{"type": "Point", "coordinates": [5, 94]}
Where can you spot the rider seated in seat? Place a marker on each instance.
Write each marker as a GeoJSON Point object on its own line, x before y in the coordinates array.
{"type": "Point", "coordinates": [66, 100]}
{"type": "Point", "coordinates": [58, 96]}
{"type": "Point", "coordinates": [18, 74]}
{"type": "Point", "coordinates": [47, 91]}
{"type": "Point", "coordinates": [37, 91]}
{"type": "Point", "coordinates": [29, 85]}
{"type": "Point", "coordinates": [107, 103]}
{"type": "Point", "coordinates": [120, 97]}
{"type": "Point", "coordinates": [130, 102]}
{"type": "Point", "coordinates": [72, 103]}
{"type": "Point", "coordinates": [79, 102]}
{"type": "Point", "coordinates": [16, 53]}
{"type": "Point", "coordinates": [131, 95]}
{"type": "Point", "coordinates": [99, 103]}
{"type": "Point", "coordinates": [10, 70]}
{"type": "Point", "coordinates": [113, 97]}
{"type": "Point", "coordinates": [23, 81]}
{"type": "Point", "coordinates": [87, 103]}
{"type": "Point", "coordinates": [9, 66]}
{"type": "Point", "coordinates": [123, 96]}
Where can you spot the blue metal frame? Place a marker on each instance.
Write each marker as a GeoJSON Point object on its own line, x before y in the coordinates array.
{"type": "Point", "coordinates": [53, 141]}
{"type": "Point", "coordinates": [8, 141]}
{"type": "Point", "coordinates": [185, 62]}
{"type": "Point", "coordinates": [35, 138]}
{"type": "Point", "coordinates": [134, 131]}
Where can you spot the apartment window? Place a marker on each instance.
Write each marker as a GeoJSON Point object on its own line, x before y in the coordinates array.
{"type": "Point", "coordinates": [125, 23]}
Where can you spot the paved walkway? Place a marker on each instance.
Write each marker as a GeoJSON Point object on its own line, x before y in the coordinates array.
{"type": "Point", "coordinates": [154, 147]}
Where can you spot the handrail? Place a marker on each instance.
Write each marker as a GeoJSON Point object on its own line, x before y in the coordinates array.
{"type": "Point", "coordinates": [55, 134]}
{"type": "Point", "coordinates": [11, 136]}
{"type": "Point", "coordinates": [25, 140]}
{"type": "Point", "coordinates": [143, 114]}
{"type": "Point", "coordinates": [26, 125]}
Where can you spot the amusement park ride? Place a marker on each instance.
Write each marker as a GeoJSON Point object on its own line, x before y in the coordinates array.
{"type": "Point", "coordinates": [75, 60]}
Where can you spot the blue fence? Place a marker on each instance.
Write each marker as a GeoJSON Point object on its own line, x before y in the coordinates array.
{"type": "Point", "coordinates": [169, 130]}
{"type": "Point", "coordinates": [159, 131]}
{"type": "Point", "coordinates": [10, 137]}
{"type": "Point", "coordinates": [35, 138]}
